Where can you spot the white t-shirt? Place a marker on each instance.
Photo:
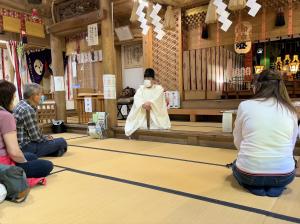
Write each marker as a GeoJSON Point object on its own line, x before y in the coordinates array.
{"type": "Point", "coordinates": [265, 134]}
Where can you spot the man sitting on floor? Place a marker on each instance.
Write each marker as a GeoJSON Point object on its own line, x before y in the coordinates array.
{"type": "Point", "coordinates": [149, 99]}
{"type": "Point", "coordinates": [30, 137]}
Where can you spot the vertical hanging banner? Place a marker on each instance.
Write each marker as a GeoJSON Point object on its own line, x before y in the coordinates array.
{"type": "Point", "coordinates": [109, 86]}
{"type": "Point", "coordinates": [93, 34]}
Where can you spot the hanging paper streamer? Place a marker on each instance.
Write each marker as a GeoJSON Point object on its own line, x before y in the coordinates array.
{"type": "Point", "coordinates": [223, 14]}
{"type": "Point", "coordinates": [142, 16]}
{"type": "Point", "coordinates": [254, 7]}
{"type": "Point", "coordinates": [156, 22]}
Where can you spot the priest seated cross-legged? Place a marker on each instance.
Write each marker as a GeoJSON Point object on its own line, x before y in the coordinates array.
{"type": "Point", "coordinates": [149, 110]}
{"type": "Point", "coordinates": [30, 137]}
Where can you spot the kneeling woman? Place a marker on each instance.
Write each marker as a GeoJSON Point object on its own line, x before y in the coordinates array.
{"type": "Point", "coordinates": [10, 153]}
{"type": "Point", "coordinates": [265, 134]}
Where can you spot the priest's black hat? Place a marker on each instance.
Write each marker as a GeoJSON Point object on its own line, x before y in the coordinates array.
{"type": "Point", "coordinates": [149, 73]}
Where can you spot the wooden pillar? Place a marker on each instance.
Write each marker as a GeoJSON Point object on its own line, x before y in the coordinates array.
{"type": "Point", "coordinates": [147, 49]}
{"type": "Point", "coordinates": [58, 70]}
{"type": "Point", "coordinates": [109, 59]}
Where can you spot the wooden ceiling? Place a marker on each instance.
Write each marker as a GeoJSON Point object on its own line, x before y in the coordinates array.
{"type": "Point", "coordinates": [122, 8]}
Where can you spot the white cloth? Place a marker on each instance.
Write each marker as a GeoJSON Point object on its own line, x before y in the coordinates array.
{"type": "Point", "coordinates": [265, 134]}
{"type": "Point", "coordinates": [159, 118]}
{"type": "Point", "coordinates": [3, 192]}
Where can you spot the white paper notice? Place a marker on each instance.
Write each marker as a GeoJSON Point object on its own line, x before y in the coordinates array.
{"type": "Point", "coordinates": [227, 122]}
{"type": "Point", "coordinates": [93, 34]}
{"type": "Point", "coordinates": [109, 86]}
{"type": "Point", "coordinates": [59, 84]}
{"type": "Point", "coordinates": [74, 69]}
{"type": "Point", "coordinates": [88, 107]}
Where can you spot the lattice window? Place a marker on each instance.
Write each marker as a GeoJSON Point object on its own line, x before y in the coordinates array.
{"type": "Point", "coordinates": [166, 57]}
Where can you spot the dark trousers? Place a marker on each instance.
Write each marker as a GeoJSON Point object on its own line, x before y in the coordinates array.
{"type": "Point", "coordinates": [271, 186]}
{"type": "Point", "coordinates": [35, 167]}
{"type": "Point", "coordinates": [55, 147]}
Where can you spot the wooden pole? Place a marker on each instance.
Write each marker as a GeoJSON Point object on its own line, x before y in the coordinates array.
{"type": "Point", "coordinates": [107, 36]}
{"type": "Point", "coordinates": [58, 71]}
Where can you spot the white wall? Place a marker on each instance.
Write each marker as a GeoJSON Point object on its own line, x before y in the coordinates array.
{"type": "Point", "coordinates": [133, 77]}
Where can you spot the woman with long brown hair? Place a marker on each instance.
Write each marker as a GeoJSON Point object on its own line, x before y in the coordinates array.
{"type": "Point", "coordinates": [265, 134]}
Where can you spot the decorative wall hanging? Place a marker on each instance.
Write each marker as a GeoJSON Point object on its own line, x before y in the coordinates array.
{"type": "Point", "coordinates": [211, 16]}
{"type": "Point", "coordinates": [170, 21]}
{"type": "Point", "coordinates": [254, 7]}
{"type": "Point", "coordinates": [141, 17]}
{"type": "Point", "coordinates": [223, 14]}
{"type": "Point", "coordinates": [280, 21]}
{"type": "Point", "coordinates": [243, 33]}
{"type": "Point", "coordinates": [235, 5]}
{"type": "Point", "coordinates": [133, 56]}
{"type": "Point", "coordinates": [156, 22]}
{"type": "Point", "coordinates": [134, 17]}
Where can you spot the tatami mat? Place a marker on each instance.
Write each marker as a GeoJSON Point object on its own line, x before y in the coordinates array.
{"type": "Point", "coordinates": [160, 149]}
{"type": "Point", "coordinates": [68, 135]}
{"type": "Point", "coordinates": [206, 180]}
{"type": "Point", "coordinates": [72, 198]}
{"type": "Point", "coordinates": [147, 182]}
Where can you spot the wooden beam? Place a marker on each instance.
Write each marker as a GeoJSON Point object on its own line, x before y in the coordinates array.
{"type": "Point", "coordinates": [72, 25]}
{"type": "Point", "coordinates": [109, 59]}
{"type": "Point", "coordinates": [58, 71]}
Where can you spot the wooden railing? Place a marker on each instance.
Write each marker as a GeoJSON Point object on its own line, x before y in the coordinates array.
{"type": "Point", "coordinates": [46, 112]}
{"type": "Point", "coordinates": [97, 106]}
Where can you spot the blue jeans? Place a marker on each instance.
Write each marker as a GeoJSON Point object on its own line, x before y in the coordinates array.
{"type": "Point", "coordinates": [55, 147]}
{"type": "Point", "coordinates": [271, 186]}
{"type": "Point", "coordinates": [35, 167]}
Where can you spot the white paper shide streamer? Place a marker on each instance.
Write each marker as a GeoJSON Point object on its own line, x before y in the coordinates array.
{"type": "Point", "coordinates": [254, 7]}
{"type": "Point", "coordinates": [156, 22]}
{"type": "Point", "coordinates": [142, 17]}
{"type": "Point", "coordinates": [223, 14]}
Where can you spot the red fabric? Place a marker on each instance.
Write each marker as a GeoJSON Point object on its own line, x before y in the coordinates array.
{"type": "Point", "coordinates": [7, 124]}
{"type": "Point", "coordinates": [13, 47]}
{"type": "Point", "coordinates": [6, 160]}
{"type": "Point", "coordinates": [3, 65]}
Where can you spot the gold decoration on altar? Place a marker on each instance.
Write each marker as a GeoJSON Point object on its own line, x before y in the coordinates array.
{"type": "Point", "coordinates": [294, 65]}
{"type": "Point", "coordinates": [258, 69]}
{"type": "Point", "coordinates": [286, 63]}
{"type": "Point", "coordinates": [278, 64]}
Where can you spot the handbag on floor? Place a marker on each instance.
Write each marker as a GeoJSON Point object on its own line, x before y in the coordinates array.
{"type": "Point", "coordinates": [15, 182]}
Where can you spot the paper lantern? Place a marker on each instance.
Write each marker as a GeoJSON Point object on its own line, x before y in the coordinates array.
{"type": "Point", "coordinates": [235, 5]}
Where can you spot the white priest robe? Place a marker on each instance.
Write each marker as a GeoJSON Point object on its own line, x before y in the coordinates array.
{"type": "Point", "coordinates": [137, 118]}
